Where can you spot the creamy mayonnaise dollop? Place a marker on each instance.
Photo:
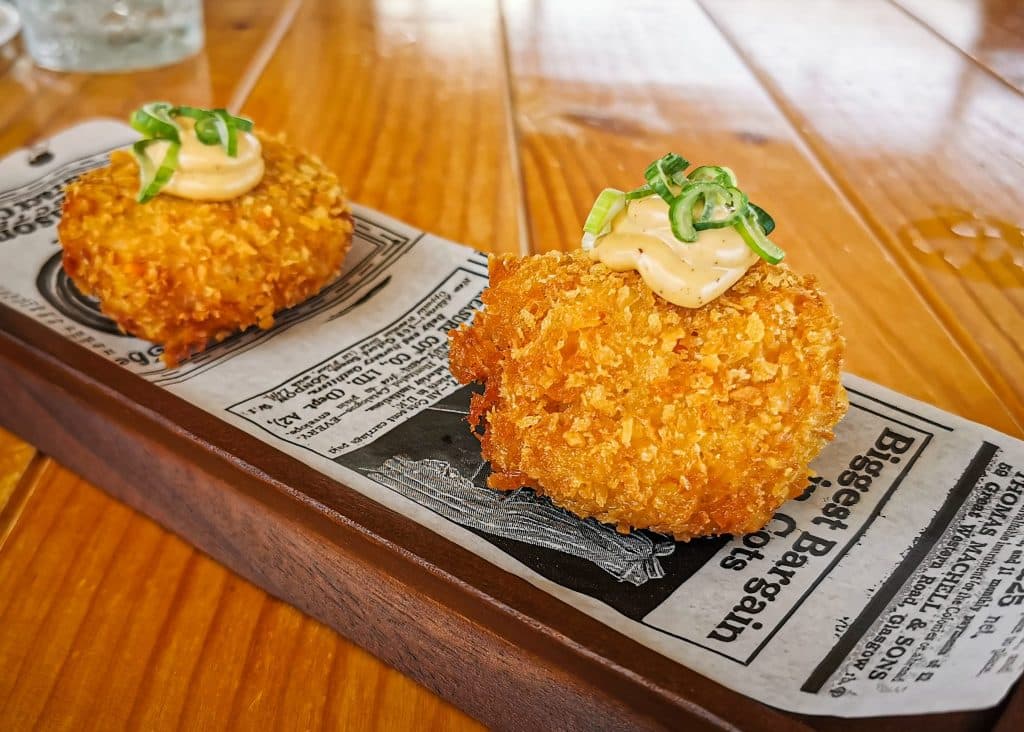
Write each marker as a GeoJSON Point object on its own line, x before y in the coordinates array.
{"type": "Point", "coordinates": [207, 172]}
{"type": "Point", "coordinates": [686, 274]}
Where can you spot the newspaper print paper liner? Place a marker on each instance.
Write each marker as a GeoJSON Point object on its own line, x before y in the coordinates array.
{"type": "Point", "coordinates": [894, 585]}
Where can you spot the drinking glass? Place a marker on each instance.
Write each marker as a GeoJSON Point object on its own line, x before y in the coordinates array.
{"type": "Point", "coordinates": [110, 35]}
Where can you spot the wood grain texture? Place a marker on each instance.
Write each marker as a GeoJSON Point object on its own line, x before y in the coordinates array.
{"type": "Point", "coordinates": [918, 140]}
{"type": "Point", "coordinates": [569, 103]}
{"type": "Point", "coordinates": [15, 456]}
{"type": "Point", "coordinates": [37, 103]}
{"type": "Point", "coordinates": [428, 607]}
{"type": "Point", "coordinates": [407, 103]}
{"type": "Point", "coordinates": [110, 622]}
{"type": "Point", "coordinates": [989, 31]}
{"type": "Point", "coordinates": [169, 638]}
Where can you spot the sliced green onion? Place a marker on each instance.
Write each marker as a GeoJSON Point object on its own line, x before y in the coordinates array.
{"type": "Point", "coordinates": [675, 168]}
{"type": "Point", "coordinates": [733, 200]}
{"type": "Point", "coordinates": [198, 113]}
{"type": "Point", "coordinates": [767, 222]}
{"type": "Point", "coordinates": [151, 177]}
{"type": "Point", "coordinates": [154, 121]}
{"type": "Point", "coordinates": [147, 171]}
{"type": "Point", "coordinates": [215, 126]}
{"type": "Point", "coordinates": [664, 174]}
{"type": "Point", "coordinates": [190, 112]}
{"type": "Point", "coordinates": [642, 192]}
{"type": "Point", "coordinates": [242, 123]}
{"type": "Point", "coordinates": [681, 220]}
{"type": "Point", "coordinates": [674, 164]}
{"type": "Point", "coordinates": [680, 211]}
{"type": "Point", "coordinates": [717, 173]}
{"type": "Point", "coordinates": [605, 208]}
{"type": "Point", "coordinates": [207, 130]}
{"type": "Point", "coordinates": [714, 187]}
{"type": "Point", "coordinates": [226, 130]}
{"type": "Point", "coordinates": [755, 238]}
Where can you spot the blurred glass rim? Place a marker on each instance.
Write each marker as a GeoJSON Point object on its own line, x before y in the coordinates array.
{"type": "Point", "coordinates": [109, 36]}
{"type": "Point", "coordinates": [10, 23]}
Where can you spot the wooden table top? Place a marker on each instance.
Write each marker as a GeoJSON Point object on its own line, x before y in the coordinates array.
{"type": "Point", "coordinates": [883, 136]}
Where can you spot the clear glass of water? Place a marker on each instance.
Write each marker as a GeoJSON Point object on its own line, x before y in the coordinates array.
{"type": "Point", "coordinates": [110, 35]}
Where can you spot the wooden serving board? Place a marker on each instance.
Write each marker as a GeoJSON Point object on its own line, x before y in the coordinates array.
{"type": "Point", "coordinates": [499, 648]}
{"type": "Point", "coordinates": [396, 88]}
{"type": "Point", "coordinates": [494, 645]}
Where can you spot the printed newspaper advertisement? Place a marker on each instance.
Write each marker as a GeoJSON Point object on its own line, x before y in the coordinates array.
{"type": "Point", "coordinates": [893, 585]}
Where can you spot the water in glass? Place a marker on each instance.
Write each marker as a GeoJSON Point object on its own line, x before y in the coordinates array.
{"type": "Point", "coordinates": [111, 35]}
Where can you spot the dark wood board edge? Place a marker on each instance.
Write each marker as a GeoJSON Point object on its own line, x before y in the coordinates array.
{"type": "Point", "coordinates": [1012, 717]}
{"type": "Point", "coordinates": [491, 643]}
{"type": "Point", "coordinates": [505, 667]}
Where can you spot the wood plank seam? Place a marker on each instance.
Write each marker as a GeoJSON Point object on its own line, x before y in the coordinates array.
{"type": "Point", "coordinates": [515, 144]}
{"type": "Point", "coordinates": [50, 605]}
{"type": "Point", "coordinates": [12, 510]}
{"type": "Point", "coordinates": [15, 457]}
{"type": "Point", "coordinates": [963, 52]}
{"type": "Point", "coordinates": [820, 161]}
{"type": "Point", "coordinates": [263, 55]}
{"type": "Point", "coordinates": [58, 495]}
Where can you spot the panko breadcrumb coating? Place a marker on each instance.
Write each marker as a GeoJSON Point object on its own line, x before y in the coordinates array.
{"type": "Point", "coordinates": [184, 273]}
{"type": "Point", "coordinates": [620, 405]}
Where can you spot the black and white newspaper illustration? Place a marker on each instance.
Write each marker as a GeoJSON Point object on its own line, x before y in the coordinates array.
{"type": "Point", "coordinates": [893, 585]}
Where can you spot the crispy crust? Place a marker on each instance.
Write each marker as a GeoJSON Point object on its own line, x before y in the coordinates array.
{"type": "Point", "coordinates": [622, 406]}
{"type": "Point", "coordinates": [184, 273]}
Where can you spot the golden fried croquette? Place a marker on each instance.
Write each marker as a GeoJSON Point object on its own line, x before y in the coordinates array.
{"type": "Point", "coordinates": [184, 273]}
{"type": "Point", "coordinates": [620, 405]}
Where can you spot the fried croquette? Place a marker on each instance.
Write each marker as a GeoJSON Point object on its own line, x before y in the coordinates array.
{"type": "Point", "coordinates": [622, 406]}
{"type": "Point", "coordinates": [185, 273]}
